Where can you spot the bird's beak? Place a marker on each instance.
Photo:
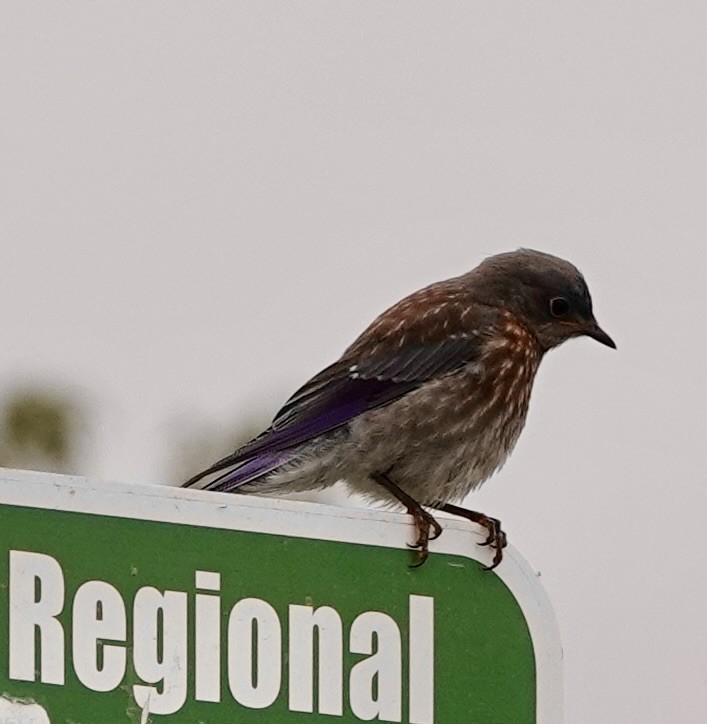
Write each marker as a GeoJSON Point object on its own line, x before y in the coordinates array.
{"type": "Point", "coordinates": [596, 332]}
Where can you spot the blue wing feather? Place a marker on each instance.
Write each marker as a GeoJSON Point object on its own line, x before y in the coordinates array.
{"type": "Point", "coordinates": [336, 396]}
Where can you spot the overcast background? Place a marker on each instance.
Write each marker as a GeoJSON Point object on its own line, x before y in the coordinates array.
{"type": "Point", "coordinates": [201, 204]}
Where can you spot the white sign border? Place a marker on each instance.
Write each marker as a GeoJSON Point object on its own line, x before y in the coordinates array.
{"type": "Point", "coordinates": [295, 518]}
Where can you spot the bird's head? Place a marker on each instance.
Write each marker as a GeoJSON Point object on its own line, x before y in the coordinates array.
{"type": "Point", "coordinates": [545, 292]}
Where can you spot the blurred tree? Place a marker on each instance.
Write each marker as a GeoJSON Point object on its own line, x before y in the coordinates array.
{"type": "Point", "coordinates": [40, 430]}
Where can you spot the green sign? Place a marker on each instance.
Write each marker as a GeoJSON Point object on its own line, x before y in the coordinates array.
{"type": "Point", "coordinates": [122, 603]}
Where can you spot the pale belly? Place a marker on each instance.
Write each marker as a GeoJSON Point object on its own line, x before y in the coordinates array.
{"type": "Point", "coordinates": [439, 442]}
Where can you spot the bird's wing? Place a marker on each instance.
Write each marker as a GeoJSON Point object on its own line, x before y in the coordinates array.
{"type": "Point", "coordinates": [390, 359]}
{"type": "Point", "coordinates": [347, 388]}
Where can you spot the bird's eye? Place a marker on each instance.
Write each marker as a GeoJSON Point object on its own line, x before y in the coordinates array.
{"type": "Point", "coordinates": [559, 306]}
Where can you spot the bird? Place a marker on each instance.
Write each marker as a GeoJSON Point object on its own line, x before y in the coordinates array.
{"type": "Point", "coordinates": [429, 401]}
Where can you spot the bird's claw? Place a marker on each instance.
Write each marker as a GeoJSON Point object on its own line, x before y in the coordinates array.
{"type": "Point", "coordinates": [496, 539]}
{"type": "Point", "coordinates": [427, 529]}
{"type": "Point", "coordinates": [425, 524]}
{"type": "Point", "coordinates": [496, 535]}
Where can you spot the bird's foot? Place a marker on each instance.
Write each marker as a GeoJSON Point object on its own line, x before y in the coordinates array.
{"type": "Point", "coordinates": [496, 537]}
{"type": "Point", "coordinates": [426, 525]}
{"type": "Point", "coordinates": [427, 529]}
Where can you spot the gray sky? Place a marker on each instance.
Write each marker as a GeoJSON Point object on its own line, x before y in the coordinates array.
{"type": "Point", "coordinates": [201, 204]}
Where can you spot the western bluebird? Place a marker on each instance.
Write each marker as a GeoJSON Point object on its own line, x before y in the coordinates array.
{"type": "Point", "coordinates": [429, 401]}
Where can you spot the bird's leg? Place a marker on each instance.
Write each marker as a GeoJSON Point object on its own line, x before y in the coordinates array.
{"type": "Point", "coordinates": [496, 537]}
{"type": "Point", "coordinates": [424, 521]}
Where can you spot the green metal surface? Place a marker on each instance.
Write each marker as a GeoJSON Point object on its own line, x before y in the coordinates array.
{"type": "Point", "coordinates": [484, 666]}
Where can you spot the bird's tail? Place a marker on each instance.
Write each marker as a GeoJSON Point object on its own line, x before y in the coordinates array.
{"type": "Point", "coordinates": [237, 471]}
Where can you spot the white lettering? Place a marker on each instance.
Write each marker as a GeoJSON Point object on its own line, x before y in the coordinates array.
{"type": "Point", "coordinates": [375, 682]}
{"type": "Point", "coordinates": [169, 665]}
{"type": "Point", "coordinates": [253, 647]}
{"type": "Point", "coordinates": [421, 660]}
{"type": "Point", "coordinates": [21, 711]}
{"type": "Point", "coordinates": [207, 622]}
{"type": "Point", "coordinates": [36, 597]}
{"type": "Point", "coordinates": [254, 683]}
{"type": "Point", "coordinates": [303, 621]}
{"type": "Point", "coordinates": [98, 614]}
